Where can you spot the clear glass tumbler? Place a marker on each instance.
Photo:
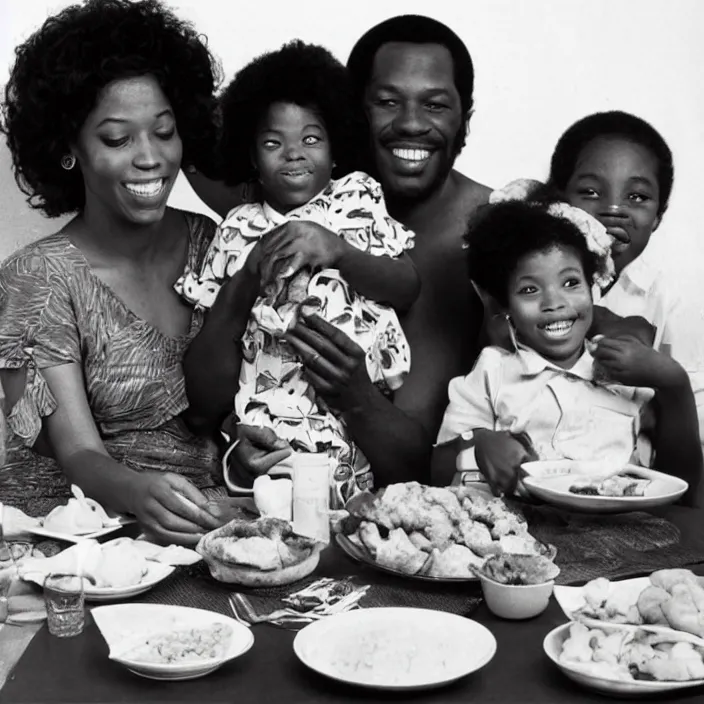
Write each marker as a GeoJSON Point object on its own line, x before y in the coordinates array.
{"type": "Point", "coordinates": [65, 604]}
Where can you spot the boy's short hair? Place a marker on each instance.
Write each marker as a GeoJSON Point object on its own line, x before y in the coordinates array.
{"type": "Point", "coordinates": [500, 235]}
{"type": "Point", "coordinates": [414, 29]}
{"type": "Point", "coordinates": [612, 124]}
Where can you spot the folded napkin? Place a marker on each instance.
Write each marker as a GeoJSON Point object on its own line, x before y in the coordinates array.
{"type": "Point", "coordinates": [20, 603]}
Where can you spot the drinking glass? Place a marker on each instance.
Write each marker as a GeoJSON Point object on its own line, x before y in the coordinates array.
{"type": "Point", "coordinates": [65, 604]}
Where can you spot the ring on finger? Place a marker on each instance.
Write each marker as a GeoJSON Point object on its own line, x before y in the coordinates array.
{"type": "Point", "coordinates": [314, 358]}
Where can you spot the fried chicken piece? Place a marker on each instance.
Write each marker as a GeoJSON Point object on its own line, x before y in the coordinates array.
{"type": "Point", "coordinates": [507, 525]}
{"type": "Point", "coordinates": [608, 648]}
{"type": "Point", "coordinates": [596, 592]}
{"type": "Point", "coordinates": [666, 579]}
{"type": "Point", "coordinates": [649, 604]}
{"type": "Point", "coordinates": [439, 528]}
{"type": "Point", "coordinates": [683, 662]}
{"type": "Point", "coordinates": [685, 611]}
{"type": "Point", "coordinates": [397, 552]}
{"type": "Point", "coordinates": [446, 499]}
{"type": "Point", "coordinates": [454, 561]}
{"type": "Point", "coordinates": [420, 541]}
{"type": "Point", "coordinates": [577, 647]}
{"type": "Point", "coordinates": [475, 536]}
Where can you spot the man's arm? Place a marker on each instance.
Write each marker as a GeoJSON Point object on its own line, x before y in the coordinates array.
{"type": "Point", "coordinates": [215, 194]}
{"type": "Point", "coordinates": [382, 279]}
{"type": "Point", "coordinates": [396, 444]}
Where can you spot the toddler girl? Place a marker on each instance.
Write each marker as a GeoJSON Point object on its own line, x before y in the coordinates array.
{"type": "Point", "coordinates": [321, 241]}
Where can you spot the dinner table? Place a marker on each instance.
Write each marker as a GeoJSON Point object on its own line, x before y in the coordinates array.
{"type": "Point", "coordinates": [77, 669]}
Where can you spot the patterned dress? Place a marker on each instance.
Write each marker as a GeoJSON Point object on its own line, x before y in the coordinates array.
{"type": "Point", "coordinates": [53, 311]}
{"type": "Point", "coordinates": [273, 391]}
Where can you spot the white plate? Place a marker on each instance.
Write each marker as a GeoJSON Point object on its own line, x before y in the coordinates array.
{"type": "Point", "coordinates": [72, 538]}
{"type": "Point", "coordinates": [395, 648]}
{"type": "Point", "coordinates": [361, 555]}
{"type": "Point", "coordinates": [552, 645]}
{"type": "Point", "coordinates": [550, 481]}
{"type": "Point", "coordinates": [627, 591]}
{"type": "Point", "coordinates": [124, 625]}
{"type": "Point", "coordinates": [571, 599]}
{"type": "Point", "coordinates": [157, 572]}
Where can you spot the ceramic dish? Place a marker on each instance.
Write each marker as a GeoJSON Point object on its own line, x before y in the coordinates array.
{"type": "Point", "coordinates": [125, 625]}
{"type": "Point", "coordinates": [72, 538]}
{"type": "Point", "coordinates": [357, 553]}
{"type": "Point", "coordinates": [550, 481]}
{"type": "Point", "coordinates": [157, 572]}
{"type": "Point", "coordinates": [395, 648]}
{"type": "Point", "coordinates": [580, 673]}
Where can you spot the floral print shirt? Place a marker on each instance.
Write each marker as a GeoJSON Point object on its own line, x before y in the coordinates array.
{"type": "Point", "coordinates": [273, 391]}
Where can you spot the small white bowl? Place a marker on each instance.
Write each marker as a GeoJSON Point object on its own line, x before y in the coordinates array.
{"type": "Point", "coordinates": [516, 601]}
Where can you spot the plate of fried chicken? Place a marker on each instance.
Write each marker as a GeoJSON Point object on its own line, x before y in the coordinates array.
{"type": "Point", "coordinates": [432, 533]}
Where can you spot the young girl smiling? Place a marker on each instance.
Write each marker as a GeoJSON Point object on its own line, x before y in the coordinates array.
{"type": "Point", "coordinates": [536, 264]}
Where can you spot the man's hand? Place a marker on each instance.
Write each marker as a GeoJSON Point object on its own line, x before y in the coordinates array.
{"type": "Point", "coordinates": [499, 456]}
{"type": "Point", "coordinates": [335, 365]}
{"type": "Point", "coordinates": [627, 360]}
{"type": "Point", "coordinates": [258, 450]}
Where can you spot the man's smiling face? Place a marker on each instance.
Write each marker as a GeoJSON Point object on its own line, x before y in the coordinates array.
{"type": "Point", "coordinates": [415, 116]}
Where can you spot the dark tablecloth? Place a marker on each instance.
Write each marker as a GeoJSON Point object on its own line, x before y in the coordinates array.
{"type": "Point", "coordinates": [77, 669]}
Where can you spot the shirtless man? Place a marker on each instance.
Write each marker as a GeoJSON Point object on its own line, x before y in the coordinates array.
{"type": "Point", "coordinates": [415, 78]}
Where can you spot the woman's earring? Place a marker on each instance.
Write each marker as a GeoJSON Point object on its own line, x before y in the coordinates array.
{"type": "Point", "coordinates": [511, 331]}
{"type": "Point", "coordinates": [68, 161]}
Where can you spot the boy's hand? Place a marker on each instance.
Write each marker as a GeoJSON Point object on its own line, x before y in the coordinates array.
{"type": "Point", "coordinates": [608, 324]}
{"type": "Point", "coordinates": [297, 244]}
{"type": "Point", "coordinates": [499, 455]}
{"type": "Point", "coordinates": [627, 360]}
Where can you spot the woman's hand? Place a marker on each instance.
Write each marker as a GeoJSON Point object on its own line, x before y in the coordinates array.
{"type": "Point", "coordinates": [170, 509]}
{"type": "Point", "coordinates": [298, 243]}
{"type": "Point", "coordinates": [499, 455]}
{"type": "Point", "coordinates": [258, 450]}
{"type": "Point", "coordinates": [334, 364]}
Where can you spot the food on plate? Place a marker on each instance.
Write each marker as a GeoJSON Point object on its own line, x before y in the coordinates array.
{"type": "Point", "coordinates": [274, 497]}
{"type": "Point", "coordinates": [183, 646]}
{"type": "Point", "coordinates": [435, 531]}
{"type": "Point", "coordinates": [119, 563]}
{"type": "Point", "coordinates": [628, 654]}
{"type": "Point", "coordinates": [169, 555]}
{"type": "Point", "coordinates": [261, 552]}
{"type": "Point", "coordinates": [606, 604]}
{"type": "Point", "coordinates": [674, 598]}
{"type": "Point", "coordinates": [619, 485]}
{"type": "Point", "coordinates": [79, 516]}
{"type": "Point", "coordinates": [519, 569]}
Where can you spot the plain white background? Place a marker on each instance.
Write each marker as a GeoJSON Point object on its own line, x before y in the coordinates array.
{"type": "Point", "coordinates": [540, 65]}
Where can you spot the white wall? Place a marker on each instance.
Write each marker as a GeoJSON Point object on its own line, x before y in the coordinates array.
{"type": "Point", "coordinates": [540, 65]}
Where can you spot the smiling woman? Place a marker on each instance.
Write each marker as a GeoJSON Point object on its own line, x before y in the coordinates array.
{"type": "Point", "coordinates": [91, 331]}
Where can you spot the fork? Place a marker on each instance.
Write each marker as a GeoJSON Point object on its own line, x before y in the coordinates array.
{"type": "Point", "coordinates": [238, 617]}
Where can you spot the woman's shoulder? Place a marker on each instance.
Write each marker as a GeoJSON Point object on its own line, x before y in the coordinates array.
{"type": "Point", "coordinates": [44, 256]}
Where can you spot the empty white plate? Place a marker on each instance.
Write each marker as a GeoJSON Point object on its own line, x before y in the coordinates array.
{"type": "Point", "coordinates": [395, 648]}
{"type": "Point", "coordinates": [550, 480]}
